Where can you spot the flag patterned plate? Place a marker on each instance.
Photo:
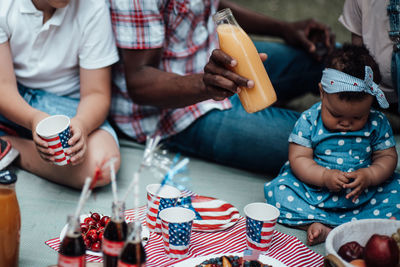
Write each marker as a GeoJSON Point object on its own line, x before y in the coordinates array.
{"type": "Point", "coordinates": [211, 214]}
{"type": "Point", "coordinates": [195, 261]}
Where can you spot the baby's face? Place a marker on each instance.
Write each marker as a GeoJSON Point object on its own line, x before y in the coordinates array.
{"type": "Point", "coordinates": [344, 116]}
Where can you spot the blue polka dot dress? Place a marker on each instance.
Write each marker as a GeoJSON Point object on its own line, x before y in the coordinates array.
{"type": "Point", "coordinates": [302, 204]}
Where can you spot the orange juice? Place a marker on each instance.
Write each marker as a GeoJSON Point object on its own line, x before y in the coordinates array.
{"type": "Point", "coordinates": [234, 41]}
{"type": "Point", "coordinates": [10, 224]}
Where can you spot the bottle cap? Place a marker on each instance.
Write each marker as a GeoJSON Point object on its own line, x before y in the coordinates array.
{"type": "Point", "coordinates": [7, 177]}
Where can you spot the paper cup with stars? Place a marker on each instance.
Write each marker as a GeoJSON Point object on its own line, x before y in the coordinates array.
{"type": "Point", "coordinates": [157, 200]}
{"type": "Point", "coordinates": [260, 224]}
{"type": "Point", "coordinates": [176, 225]}
{"type": "Point", "coordinates": [55, 131]}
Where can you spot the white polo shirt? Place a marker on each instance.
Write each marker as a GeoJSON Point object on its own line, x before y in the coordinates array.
{"type": "Point", "coordinates": [369, 19]}
{"type": "Point", "coordinates": [48, 56]}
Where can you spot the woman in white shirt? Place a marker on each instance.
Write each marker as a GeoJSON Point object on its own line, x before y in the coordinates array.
{"type": "Point", "coordinates": [56, 57]}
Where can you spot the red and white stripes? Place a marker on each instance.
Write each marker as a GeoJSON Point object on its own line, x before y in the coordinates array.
{"type": "Point", "coordinates": [285, 248]}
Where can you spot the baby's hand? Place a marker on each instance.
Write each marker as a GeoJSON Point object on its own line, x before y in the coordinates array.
{"type": "Point", "coordinates": [77, 142]}
{"type": "Point", "coordinates": [361, 182]}
{"type": "Point", "coordinates": [334, 180]}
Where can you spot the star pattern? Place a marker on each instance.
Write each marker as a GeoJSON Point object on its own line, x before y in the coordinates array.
{"type": "Point", "coordinates": [64, 137]}
{"type": "Point", "coordinates": [253, 229]}
{"type": "Point", "coordinates": [179, 234]}
{"type": "Point", "coordinates": [165, 203]}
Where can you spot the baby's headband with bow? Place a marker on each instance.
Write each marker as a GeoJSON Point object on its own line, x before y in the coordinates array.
{"type": "Point", "coordinates": [334, 81]}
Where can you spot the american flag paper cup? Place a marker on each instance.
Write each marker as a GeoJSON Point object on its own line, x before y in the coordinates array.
{"type": "Point", "coordinates": [260, 223]}
{"type": "Point", "coordinates": [55, 131]}
{"type": "Point", "coordinates": [176, 225]}
{"type": "Point", "coordinates": [157, 200]}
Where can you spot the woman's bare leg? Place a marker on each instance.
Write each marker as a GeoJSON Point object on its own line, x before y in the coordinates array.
{"type": "Point", "coordinates": [101, 146]}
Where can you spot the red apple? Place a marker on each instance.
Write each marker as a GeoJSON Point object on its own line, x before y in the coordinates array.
{"type": "Point", "coordinates": [381, 251]}
{"type": "Point", "coordinates": [351, 251]}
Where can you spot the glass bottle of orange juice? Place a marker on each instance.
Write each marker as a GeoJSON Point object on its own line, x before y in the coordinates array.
{"type": "Point", "coordinates": [234, 41]}
{"type": "Point", "coordinates": [10, 223]}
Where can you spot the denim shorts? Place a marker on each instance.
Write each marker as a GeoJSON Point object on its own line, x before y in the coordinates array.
{"type": "Point", "coordinates": [51, 104]}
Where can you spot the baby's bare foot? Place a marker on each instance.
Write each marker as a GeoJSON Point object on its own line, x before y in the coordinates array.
{"type": "Point", "coordinates": [317, 233]}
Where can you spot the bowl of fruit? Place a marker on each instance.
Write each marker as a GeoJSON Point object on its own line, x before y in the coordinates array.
{"type": "Point", "coordinates": [366, 243]}
{"type": "Point", "coordinates": [92, 227]}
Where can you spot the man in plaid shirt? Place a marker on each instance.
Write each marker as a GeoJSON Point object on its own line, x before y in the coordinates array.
{"type": "Point", "coordinates": [173, 81]}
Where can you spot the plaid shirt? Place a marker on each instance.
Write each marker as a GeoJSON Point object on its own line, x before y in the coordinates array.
{"type": "Point", "coordinates": [185, 31]}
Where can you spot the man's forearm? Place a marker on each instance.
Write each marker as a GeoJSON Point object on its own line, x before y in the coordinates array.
{"type": "Point", "coordinates": [150, 86]}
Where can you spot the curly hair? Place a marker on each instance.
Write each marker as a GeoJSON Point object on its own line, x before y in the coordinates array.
{"type": "Point", "coordinates": [352, 59]}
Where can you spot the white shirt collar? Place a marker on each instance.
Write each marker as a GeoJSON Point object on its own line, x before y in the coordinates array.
{"type": "Point", "coordinates": [28, 7]}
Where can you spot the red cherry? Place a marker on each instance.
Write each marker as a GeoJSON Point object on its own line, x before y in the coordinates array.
{"type": "Point", "coordinates": [104, 220]}
{"type": "Point", "coordinates": [91, 223]}
{"type": "Point", "coordinates": [96, 246]}
{"type": "Point", "coordinates": [87, 242]}
{"type": "Point", "coordinates": [84, 228]}
{"type": "Point", "coordinates": [95, 216]}
{"type": "Point", "coordinates": [98, 224]}
{"type": "Point", "coordinates": [92, 235]}
{"type": "Point", "coordinates": [100, 236]}
{"type": "Point", "coordinates": [100, 229]}
{"type": "Point", "coordinates": [87, 219]}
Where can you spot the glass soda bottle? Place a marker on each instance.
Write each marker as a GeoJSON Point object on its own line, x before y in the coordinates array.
{"type": "Point", "coordinates": [133, 254]}
{"type": "Point", "coordinates": [72, 250]}
{"type": "Point", "coordinates": [234, 41]}
{"type": "Point", "coordinates": [114, 235]}
{"type": "Point", "coordinates": [10, 222]}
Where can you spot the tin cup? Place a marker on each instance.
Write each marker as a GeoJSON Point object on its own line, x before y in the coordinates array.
{"type": "Point", "coordinates": [176, 225]}
{"type": "Point", "coordinates": [55, 130]}
{"type": "Point", "coordinates": [260, 224]}
{"type": "Point", "coordinates": [157, 200]}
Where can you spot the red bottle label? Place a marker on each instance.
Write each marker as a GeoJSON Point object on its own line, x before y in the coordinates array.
{"type": "Point", "coordinates": [112, 248]}
{"type": "Point", "coordinates": [67, 261]}
{"type": "Point", "coordinates": [123, 264]}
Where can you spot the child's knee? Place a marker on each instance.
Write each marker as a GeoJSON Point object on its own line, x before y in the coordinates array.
{"type": "Point", "coordinates": [105, 171]}
{"type": "Point", "coordinates": [102, 182]}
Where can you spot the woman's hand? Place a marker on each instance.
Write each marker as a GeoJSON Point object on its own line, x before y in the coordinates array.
{"type": "Point", "coordinates": [362, 180]}
{"type": "Point", "coordinates": [334, 180]}
{"type": "Point", "coordinates": [78, 141]}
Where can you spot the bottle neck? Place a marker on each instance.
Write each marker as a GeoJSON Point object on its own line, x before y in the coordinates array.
{"type": "Point", "coordinates": [135, 232]}
{"type": "Point", "coordinates": [118, 211]}
{"type": "Point", "coordinates": [225, 16]}
{"type": "Point", "coordinates": [73, 228]}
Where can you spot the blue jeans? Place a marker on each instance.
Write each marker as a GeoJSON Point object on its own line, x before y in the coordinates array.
{"type": "Point", "coordinates": [258, 141]}
{"type": "Point", "coordinates": [51, 104]}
